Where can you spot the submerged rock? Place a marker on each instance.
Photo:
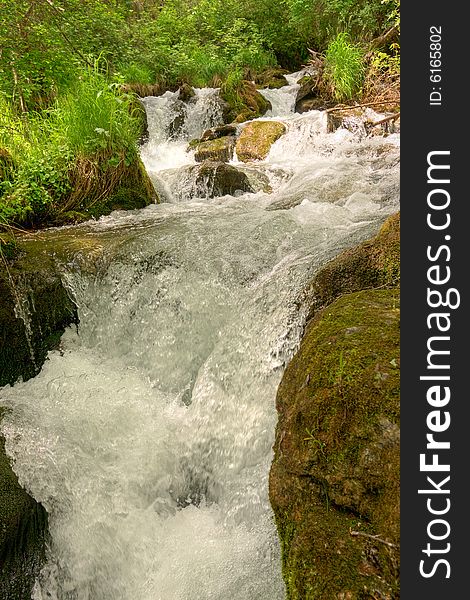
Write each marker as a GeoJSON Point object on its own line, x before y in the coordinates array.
{"type": "Point", "coordinates": [334, 480]}
{"type": "Point", "coordinates": [256, 139]}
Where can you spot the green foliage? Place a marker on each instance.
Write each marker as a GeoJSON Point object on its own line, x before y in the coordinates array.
{"type": "Point", "coordinates": [344, 67]}
{"type": "Point", "coordinates": [62, 63]}
{"type": "Point", "coordinates": [389, 62]}
{"type": "Point", "coordinates": [92, 121]}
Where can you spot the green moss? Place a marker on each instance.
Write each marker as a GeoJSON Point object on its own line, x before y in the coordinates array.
{"type": "Point", "coordinates": [220, 149]}
{"type": "Point", "coordinates": [244, 103]}
{"type": "Point", "coordinates": [256, 139]}
{"type": "Point", "coordinates": [334, 481]}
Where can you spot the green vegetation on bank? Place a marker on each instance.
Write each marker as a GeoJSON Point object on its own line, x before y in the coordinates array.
{"type": "Point", "coordinates": [65, 121]}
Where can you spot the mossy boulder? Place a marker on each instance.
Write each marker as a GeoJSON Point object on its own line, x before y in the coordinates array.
{"type": "Point", "coordinates": [35, 309]}
{"type": "Point", "coordinates": [244, 103]}
{"type": "Point", "coordinates": [212, 179]}
{"type": "Point", "coordinates": [334, 480]}
{"type": "Point", "coordinates": [220, 149]}
{"type": "Point", "coordinates": [23, 531]}
{"type": "Point", "coordinates": [98, 188]}
{"type": "Point", "coordinates": [273, 78]}
{"type": "Point", "coordinates": [374, 263]}
{"type": "Point", "coordinates": [256, 139]}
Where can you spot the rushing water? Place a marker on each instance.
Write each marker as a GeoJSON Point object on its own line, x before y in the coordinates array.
{"type": "Point", "coordinates": [148, 436]}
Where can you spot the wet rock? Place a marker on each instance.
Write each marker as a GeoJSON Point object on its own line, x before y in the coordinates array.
{"type": "Point", "coordinates": [35, 309]}
{"type": "Point", "coordinates": [272, 78]}
{"type": "Point", "coordinates": [176, 125]}
{"type": "Point", "coordinates": [186, 92]}
{"type": "Point", "coordinates": [334, 480]}
{"type": "Point", "coordinates": [23, 532]}
{"type": "Point", "coordinates": [219, 149]}
{"type": "Point", "coordinates": [307, 104]}
{"type": "Point", "coordinates": [307, 87]}
{"type": "Point", "coordinates": [212, 179]}
{"type": "Point", "coordinates": [218, 132]}
{"type": "Point", "coordinates": [256, 139]}
{"type": "Point", "coordinates": [244, 103]}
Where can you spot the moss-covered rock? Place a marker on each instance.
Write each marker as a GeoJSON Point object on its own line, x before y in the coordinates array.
{"type": "Point", "coordinates": [98, 188]}
{"type": "Point", "coordinates": [23, 530]}
{"type": "Point", "coordinates": [273, 78]}
{"type": "Point", "coordinates": [334, 480]}
{"type": "Point", "coordinates": [35, 309]}
{"type": "Point", "coordinates": [220, 149]}
{"type": "Point", "coordinates": [374, 263]}
{"type": "Point", "coordinates": [256, 139]}
{"type": "Point", "coordinates": [186, 92]}
{"type": "Point", "coordinates": [244, 103]}
{"type": "Point", "coordinates": [212, 179]}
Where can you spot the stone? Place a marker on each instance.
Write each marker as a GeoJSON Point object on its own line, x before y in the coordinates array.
{"type": "Point", "coordinates": [219, 132]}
{"type": "Point", "coordinates": [256, 139]}
{"type": "Point", "coordinates": [212, 179]}
{"type": "Point", "coordinates": [219, 149]}
{"type": "Point", "coordinates": [335, 477]}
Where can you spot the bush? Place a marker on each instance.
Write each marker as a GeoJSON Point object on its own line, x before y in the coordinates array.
{"type": "Point", "coordinates": [344, 67]}
{"type": "Point", "coordinates": [91, 131]}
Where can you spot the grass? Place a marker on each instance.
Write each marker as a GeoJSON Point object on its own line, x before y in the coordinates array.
{"type": "Point", "coordinates": [344, 67]}
{"type": "Point", "coordinates": [68, 157]}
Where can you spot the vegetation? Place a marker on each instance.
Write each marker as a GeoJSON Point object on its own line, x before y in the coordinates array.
{"type": "Point", "coordinates": [64, 117]}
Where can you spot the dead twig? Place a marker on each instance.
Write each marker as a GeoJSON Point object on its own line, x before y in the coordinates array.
{"type": "Point", "coordinates": [376, 538]}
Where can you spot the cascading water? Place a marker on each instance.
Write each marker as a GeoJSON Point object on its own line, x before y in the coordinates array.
{"type": "Point", "coordinates": [148, 436]}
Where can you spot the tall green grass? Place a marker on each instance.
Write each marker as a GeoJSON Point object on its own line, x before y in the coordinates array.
{"type": "Point", "coordinates": [345, 68]}
{"type": "Point", "coordinates": [93, 124]}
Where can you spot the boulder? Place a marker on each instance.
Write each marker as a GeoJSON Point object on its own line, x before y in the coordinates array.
{"type": "Point", "coordinates": [243, 103]}
{"type": "Point", "coordinates": [217, 132]}
{"type": "Point", "coordinates": [272, 78]}
{"type": "Point", "coordinates": [23, 532]}
{"type": "Point", "coordinates": [186, 92]}
{"type": "Point", "coordinates": [307, 85]}
{"type": "Point", "coordinates": [334, 481]}
{"type": "Point", "coordinates": [35, 309]}
{"type": "Point", "coordinates": [309, 103]}
{"type": "Point", "coordinates": [256, 139]}
{"type": "Point", "coordinates": [212, 179]}
{"type": "Point", "coordinates": [219, 149]}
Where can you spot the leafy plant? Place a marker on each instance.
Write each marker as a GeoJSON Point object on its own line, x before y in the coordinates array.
{"type": "Point", "coordinates": [344, 67]}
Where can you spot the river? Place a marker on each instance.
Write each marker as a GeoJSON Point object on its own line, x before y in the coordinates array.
{"type": "Point", "coordinates": [148, 435]}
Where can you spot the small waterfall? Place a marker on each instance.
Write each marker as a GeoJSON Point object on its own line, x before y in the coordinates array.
{"type": "Point", "coordinates": [149, 436]}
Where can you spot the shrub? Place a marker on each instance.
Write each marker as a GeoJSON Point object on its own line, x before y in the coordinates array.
{"type": "Point", "coordinates": [344, 68]}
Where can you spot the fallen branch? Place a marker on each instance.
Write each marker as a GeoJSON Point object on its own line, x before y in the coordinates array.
{"type": "Point", "coordinates": [385, 39]}
{"type": "Point", "coordinates": [376, 538]}
{"type": "Point", "coordinates": [391, 118]}
{"type": "Point", "coordinates": [335, 108]}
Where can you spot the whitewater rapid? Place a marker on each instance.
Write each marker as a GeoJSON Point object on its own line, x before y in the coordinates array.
{"type": "Point", "coordinates": [148, 435]}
